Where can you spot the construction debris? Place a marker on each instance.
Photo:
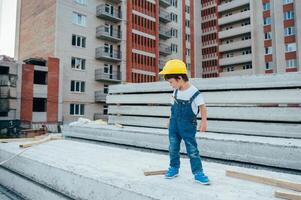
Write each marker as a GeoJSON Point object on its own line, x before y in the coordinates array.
{"type": "Point", "coordinates": [39, 137]}
{"type": "Point", "coordinates": [34, 132]}
{"type": "Point", "coordinates": [46, 139]}
{"type": "Point", "coordinates": [288, 196]}
{"type": "Point", "coordinates": [265, 180]}
{"type": "Point", "coordinates": [153, 173]}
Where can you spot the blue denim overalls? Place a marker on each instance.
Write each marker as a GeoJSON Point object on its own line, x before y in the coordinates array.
{"type": "Point", "coordinates": [183, 125]}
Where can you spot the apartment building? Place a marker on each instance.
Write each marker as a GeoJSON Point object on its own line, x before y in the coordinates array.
{"type": "Point", "coordinates": [245, 37]}
{"type": "Point", "coordinates": [39, 96]}
{"type": "Point", "coordinates": [9, 98]}
{"type": "Point", "coordinates": [29, 95]}
{"type": "Point", "coordinates": [104, 42]}
{"type": "Point", "coordinates": [158, 31]}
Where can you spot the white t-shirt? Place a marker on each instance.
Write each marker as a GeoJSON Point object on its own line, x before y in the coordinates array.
{"type": "Point", "coordinates": [187, 94]}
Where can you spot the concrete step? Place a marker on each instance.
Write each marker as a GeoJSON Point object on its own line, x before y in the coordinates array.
{"type": "Point", "coordinates": [81, 170]}
{"type": "Point", "coordinates": [269, 151]}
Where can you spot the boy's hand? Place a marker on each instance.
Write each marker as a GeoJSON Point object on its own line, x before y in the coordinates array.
{"type": "Point", "coordinates": [203, 126]}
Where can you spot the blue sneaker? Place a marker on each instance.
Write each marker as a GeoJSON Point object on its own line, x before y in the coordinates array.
{"type": "Point", "coordinates": [172, 172]}
{"type": "Point", "coordinates": [200, 177]}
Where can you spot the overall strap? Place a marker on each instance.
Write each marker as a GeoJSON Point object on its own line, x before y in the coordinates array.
{"type": "Point", "coordinates": [194, 96]}
{"type": "Point", "coordinates": [176, 93]}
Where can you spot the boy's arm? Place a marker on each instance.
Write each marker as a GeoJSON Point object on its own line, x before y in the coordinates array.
{"type": "Point", "coordinates": [203, 125]}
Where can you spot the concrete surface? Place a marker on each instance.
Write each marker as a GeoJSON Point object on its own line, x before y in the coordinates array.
{"type": "Point", "coordinates": [90, 171]}
{"type": "Point", "coordinates": [270, 151]}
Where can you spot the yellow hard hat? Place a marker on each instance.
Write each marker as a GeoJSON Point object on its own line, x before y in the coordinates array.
{"type": "Point", "coordinates": [174, 66]}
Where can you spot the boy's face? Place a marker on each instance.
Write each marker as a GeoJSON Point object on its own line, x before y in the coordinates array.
{"type": "Point", "coordinates": [175, 83]}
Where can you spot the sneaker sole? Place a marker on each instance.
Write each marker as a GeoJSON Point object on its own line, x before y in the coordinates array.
{"type": "Point", "coordinates": [171, 177]}
{"type": "Point", "coordinates": [208, 183]}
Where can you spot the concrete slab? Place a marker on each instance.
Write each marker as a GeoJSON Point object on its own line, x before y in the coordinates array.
{"type": "Point", "coordinates": [89, 171]}
{"type": "Point", "coordinates": [270, 151]}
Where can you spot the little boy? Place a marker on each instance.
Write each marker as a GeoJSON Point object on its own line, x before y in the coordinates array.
{"type": "Point", "coordinates": [183, 121]}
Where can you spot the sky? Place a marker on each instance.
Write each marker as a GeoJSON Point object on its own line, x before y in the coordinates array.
{"type": "Point", "coordinates": [8, 9]}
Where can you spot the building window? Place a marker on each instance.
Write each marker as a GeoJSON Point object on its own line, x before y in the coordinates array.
{"type": "Point", "coordinates": [290, 47]}
{"type": "Point", "coordinates": [105, 109]}
{"type": "Point", "coordinates": [287, 1]}
{"type": "Point", "coordinates": [174, 17]}
{"type": "Point", "coordinates": [289, 15]}
{"type": "Point", "coordinates": [245, 23]}
{"type": "Point", "coordinates": [246, 37]}
{"type": "Point", "coordinates": [247, 66]}
{"type": "Point", "coordinates": [187, 52]}
{"type": "Point", "coordinates": [81, 2]}
{"type": "Point", "coordinates": [268, 35]}
{"type": "Point", "coordinates": [228, 14]}
{"type": "Point", "coordinates": [187, 9]}
{"type": "Point", "coordinates": [230, 69]}
{"type": "Point", "coordinates": [174, 33]}
{"type": "Point", "coordinates": [289, 31]}
{"type": "Point", "coordinates": [245, 9]}
{"type": "Point", "coordinates": [79, 19]}
{"type": "Point", "coordinates": [291, 63]}
{"type": "Point", "coordinates": [106, 89]}
{"type": "Point", "coordinates": [174, 3]}
{"type": "Point", "coordinates": [78, 41]}
{"type": "Point", "coordinates": [230, 55]}
{"type": "Point", "coordinates": [267, 21]}
{"type": "Point", "coordinates": [249, 51]}
{"type": "Point", "coordinates": [40, 77]}
{"type": "Point", "coordinates": [268, 65]}
{"type": "Point", "coordinates": [78, 63]}
{"type": "Point", "coordinates": [188, 37]}
{"type": "Point", "coordinates": [77, 109]}
{"type": "Point", "coordinates": [187, 23]}
{"type": "Point", "coordinates": [188, 65]}
{"type": "Point", "coordinates": [266, 6]}
{"type": "Point", "coordinates": [39, 105]}
{"type": "Point", "coordinates": [268, 50]}
{"type": "Point", "coordinates": [77, 86]}
{"type": "Point", "coordinates": [174, 48]}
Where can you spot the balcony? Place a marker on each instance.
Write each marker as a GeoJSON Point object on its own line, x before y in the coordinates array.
{"type": "Point", "coordinates": [234, 18]}
{"type": "Point", "coordinates": [114, 1]}
{"type": "Point", "coordinates": [161, 64]}
{"type": "Point", "coordinates": [235, 60]}
{"type": "Point", "coordinates": [237, 73]}
{"type": "Point", "coordinates": [234, 32]}
{"type": "Point", "coordinates": [235, 45]}
{"type": "Point", "coordinates": [111, 77]}
{"type": "Point", "coordinates": [105, 54]}
{"type": "Point", "coordinates": [164, 50]}
{"type": "Point", "coordinates": [8, 80]}
{"type": "Point", "coordinates": [164, 16]}
{"type": "Point", "coordinates": [105, 33]}
{"type": "Point", "coordinates": [164, 3]}
{"type": "Point", "coordinates": [100, 96]}
{"type": "Point", "coordinates": [108, 13]}
{"type": "Point", "coordinates": [7, 92]}
{"type": "Point", "coordinates": [164, 33]}
{"type": "Point", "coordinates": [233, 4]}
{"type": "Point", "coordinates": [7, 104]}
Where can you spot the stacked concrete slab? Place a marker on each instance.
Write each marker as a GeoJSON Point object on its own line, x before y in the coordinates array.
{"type": "Point", "coordinates": [254, 119]}
{"type": "Point", "coordinates": [68, 169]}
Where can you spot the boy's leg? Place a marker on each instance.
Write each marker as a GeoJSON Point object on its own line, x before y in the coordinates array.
{"type": "Point", "coordinates": [174, 149]}
{"type": "Point", "coordinates": [193, 154]}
